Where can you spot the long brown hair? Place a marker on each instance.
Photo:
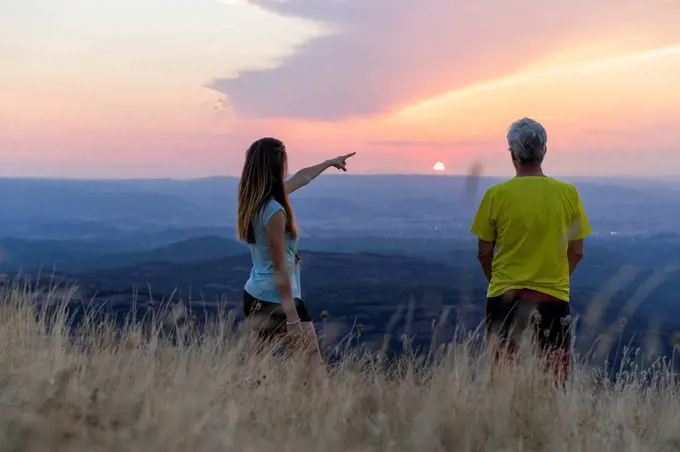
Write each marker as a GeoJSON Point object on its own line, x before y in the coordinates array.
{"type": "Point", "coordinates": [262, 180]}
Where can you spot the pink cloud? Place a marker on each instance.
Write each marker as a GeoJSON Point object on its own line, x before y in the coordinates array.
{"type": "Point", "coordinates": [390, 53]}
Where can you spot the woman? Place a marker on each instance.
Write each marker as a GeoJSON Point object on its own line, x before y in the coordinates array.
{"type": "Point", "coordinates": [272, 297]}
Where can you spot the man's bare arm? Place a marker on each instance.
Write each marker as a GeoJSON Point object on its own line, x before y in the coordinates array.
{"type": "Point", "coordinates": [574, 254]}
{"type": "Point", "coordinates": [485, 252]}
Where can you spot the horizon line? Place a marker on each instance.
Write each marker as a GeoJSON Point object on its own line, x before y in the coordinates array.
{"type": "Point", "coordinates": [659, 178]}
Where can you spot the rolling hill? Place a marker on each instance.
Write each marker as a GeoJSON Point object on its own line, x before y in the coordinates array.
{"type": "Point", "coordinates": [73, 256]}
{"type": "Point", "coordinates": [369, 289]}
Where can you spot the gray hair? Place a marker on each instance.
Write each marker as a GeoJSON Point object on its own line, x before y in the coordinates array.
{"type": "Point", "coordinates": [527, 140]}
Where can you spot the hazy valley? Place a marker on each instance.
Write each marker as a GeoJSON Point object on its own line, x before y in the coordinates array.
{"type": "Point", "coordinates": [373, 247]}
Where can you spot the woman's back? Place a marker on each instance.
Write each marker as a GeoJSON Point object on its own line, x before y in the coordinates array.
{"type": "Point", "coordinates": [261, 284]}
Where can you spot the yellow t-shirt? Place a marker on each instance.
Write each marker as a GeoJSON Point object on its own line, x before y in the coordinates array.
{"type": "Point", "coordinates": [531, 219]}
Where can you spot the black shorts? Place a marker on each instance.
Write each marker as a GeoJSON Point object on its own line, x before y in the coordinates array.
{"type": "Point", "coordinates": [517, 311]}
{"type": "Point", "coordinates": [270, 317]}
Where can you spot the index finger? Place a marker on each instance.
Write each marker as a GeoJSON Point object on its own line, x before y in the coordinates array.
{"type": "Point", "coordinates": [351, 154]}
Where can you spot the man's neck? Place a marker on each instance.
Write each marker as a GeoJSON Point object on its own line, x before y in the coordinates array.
{"type": "Point", "coordinates": [530, 170]}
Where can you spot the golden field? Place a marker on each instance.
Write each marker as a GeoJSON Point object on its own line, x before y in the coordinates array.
{"type": "Point", "coordinates": [107, 389]}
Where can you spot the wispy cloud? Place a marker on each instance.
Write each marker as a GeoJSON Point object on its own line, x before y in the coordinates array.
{"type": "Point", "coordinates": [526, 77]}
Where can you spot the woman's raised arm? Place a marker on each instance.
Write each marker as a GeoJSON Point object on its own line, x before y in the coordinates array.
{"type": "Point", "coordinates": [306, 175]}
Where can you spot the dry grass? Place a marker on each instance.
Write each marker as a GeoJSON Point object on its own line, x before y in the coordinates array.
{"type": "Point", "coordinates": [107, 391]}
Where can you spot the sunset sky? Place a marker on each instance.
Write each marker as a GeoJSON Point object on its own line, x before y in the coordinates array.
{"type": "Point", "coordinates": [180, 88]}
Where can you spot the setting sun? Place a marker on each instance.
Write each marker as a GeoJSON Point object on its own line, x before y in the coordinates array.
{"type": "Point", "coordinates": [439, 166]}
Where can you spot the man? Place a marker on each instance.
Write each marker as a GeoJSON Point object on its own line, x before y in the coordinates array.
{"type": "Point", "coordinates": [530, 233]}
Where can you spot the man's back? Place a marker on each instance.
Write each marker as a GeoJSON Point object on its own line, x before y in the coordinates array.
{"type": "Point", "coordinates": [531, 219]}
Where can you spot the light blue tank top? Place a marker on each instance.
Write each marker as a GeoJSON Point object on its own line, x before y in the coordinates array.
{"type": "Point", "coordinates": [261, 283]}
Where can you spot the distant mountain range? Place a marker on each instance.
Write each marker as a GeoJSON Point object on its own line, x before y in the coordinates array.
{"type": "Point", "coordinates": [405, 206]}
{"type": "Point", "coordinates": [371, 244]}
{"type": "Point", "coordinates": [650, 251]}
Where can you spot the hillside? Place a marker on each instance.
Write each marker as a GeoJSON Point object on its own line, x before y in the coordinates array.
{"type": "Point", "coordinates": [369, 289]}
{"type": "Point", "coordinates": [20, 254]}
